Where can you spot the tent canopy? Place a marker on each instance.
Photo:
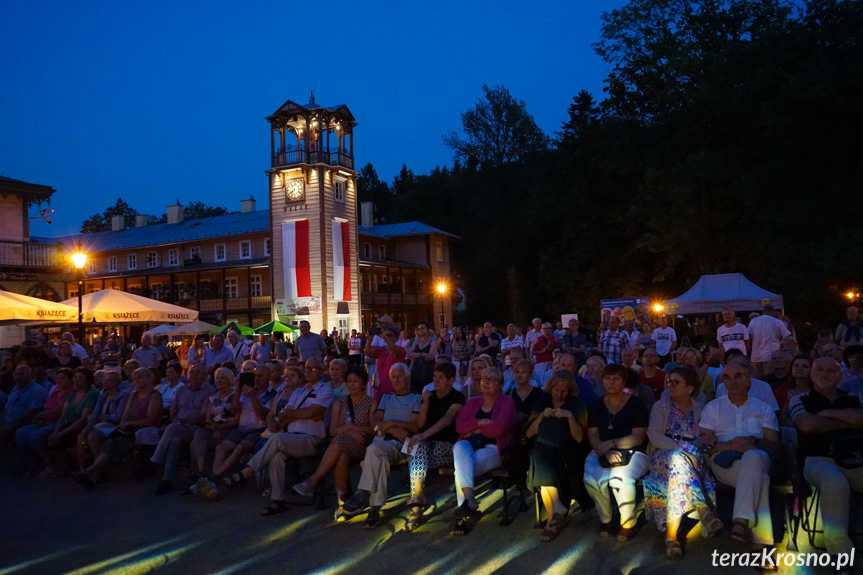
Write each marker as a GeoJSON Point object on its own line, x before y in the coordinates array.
{"type": "Point", "coordinates": [193, 328]}
{"type": "Point", "coordinates": [17, 307]}
{"type": "Point", "coordinates": [165, 329]}
{"type": "Point", "coordinates": [113, 306]}
{"type": "Point", "coordinates": [232, 326]}
{"type": "Point", "coordinates": [274, 327]}
{"type": "Point", "coordinates": [714, 293]}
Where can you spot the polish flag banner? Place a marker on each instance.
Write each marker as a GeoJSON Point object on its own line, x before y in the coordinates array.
{"type": "Point", "coordinates": [295, 244]}
{"type": "Point", "coordinates": [341, 261]}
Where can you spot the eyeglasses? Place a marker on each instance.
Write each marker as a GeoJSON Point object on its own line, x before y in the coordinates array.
{"type": "Point", "coordinates": [307, 368]}
{"type": "Point", "coordinates": [673, 382]}
{"type": "Point", "coordinates": [489, 379]}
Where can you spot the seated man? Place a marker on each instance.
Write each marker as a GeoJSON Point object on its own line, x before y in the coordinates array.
{"type": "Point", "coordinates": [395, 419]}
{"type": "Point", "coordinates": [188, 412]}
{"type": "Point", "coordinates": [824, 417]}
{"type": "Point", "coordinates": [304, 417]}
{"type": "Point", "coordinates": [744, 433]}
{"type": "Point", "coordinates": [25, 400]}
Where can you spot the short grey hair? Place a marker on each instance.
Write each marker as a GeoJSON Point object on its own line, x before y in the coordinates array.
{"type": "Point", "coordinates": [402, 368]}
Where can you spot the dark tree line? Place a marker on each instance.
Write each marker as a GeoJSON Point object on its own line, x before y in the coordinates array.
{"type": "Point", "coordinates": [727, 140]}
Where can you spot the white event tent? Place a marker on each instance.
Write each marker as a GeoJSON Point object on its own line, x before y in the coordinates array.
{"type": "Point", "coordinates": [114, 306]}
{"type": "Point", "coordinates": [714, 293]}
{"type": "Point", "coordinates": [16, 307]}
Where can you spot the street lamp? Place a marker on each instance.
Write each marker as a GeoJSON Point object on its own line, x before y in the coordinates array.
{"type": "Point", "coordinates": [79, 258]}
{"type": "Point", "coordinates": [658, 308]}
{"type": "Point", "coordinates": [441, 289]}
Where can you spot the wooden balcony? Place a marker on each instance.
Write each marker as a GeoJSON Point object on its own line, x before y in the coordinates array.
{"type": "Point", "coordinates": [30, 255]}
{"type": "Point", "coordinates": [233, 303]}
{"type": "Point", "coordinates": [290, 157]}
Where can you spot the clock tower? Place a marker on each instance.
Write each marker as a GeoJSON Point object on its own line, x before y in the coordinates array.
{"type": "Point", "coordinates": [313, 215]}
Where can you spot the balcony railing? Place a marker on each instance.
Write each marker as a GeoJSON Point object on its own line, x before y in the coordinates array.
{"type": "Point", "coordinates": [233, 303]}
{"type": "Point", "coordinates": [28, 254]}
{"type": "Point", "coordinates": [288, 157]}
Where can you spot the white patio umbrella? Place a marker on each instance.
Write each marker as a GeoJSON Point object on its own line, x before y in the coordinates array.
{"type": "Point", "coordinates": [113, 306]}
{"type": "Point", "coordinates": [166, 329]}
{"type": "Point", "coordinates": [15, 307]}
{"type": "Point", "coordinates": [194, 328]}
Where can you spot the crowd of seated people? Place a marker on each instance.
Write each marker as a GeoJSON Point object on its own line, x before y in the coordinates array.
{"type": "Point", "coordinates": [580, 427]}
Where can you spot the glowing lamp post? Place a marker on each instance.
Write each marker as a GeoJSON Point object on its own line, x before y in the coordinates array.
{"type": "Point", "coordinates": [658, 308]}
{"type": "Point", "coordinates": [852, 295]}
{"type": "Point", "coordinates": [441, 289]}
{"type": "Point", "coordinates": [79, 258]}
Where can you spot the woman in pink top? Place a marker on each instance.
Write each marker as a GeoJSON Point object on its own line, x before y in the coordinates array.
{"type": "Point", "coordinates": [31, 439]}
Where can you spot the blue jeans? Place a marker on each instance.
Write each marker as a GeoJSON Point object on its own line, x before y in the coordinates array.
{"type": "Point", "coordinates": [34, 438]}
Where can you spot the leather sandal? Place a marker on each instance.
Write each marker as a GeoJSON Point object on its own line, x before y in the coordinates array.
{"type": "Point", "coordinates": [274, 508]}
{"type": "Point", "coordinates": [673, 550]}
{"type": "Point", "coordinates": [740, 532]}
{"type": "Point", "coordinates": [552, 528]}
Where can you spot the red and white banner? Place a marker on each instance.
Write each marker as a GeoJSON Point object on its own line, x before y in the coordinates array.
{"type": "Point", "coordinates": [295, 244]}
{"type": "Point", "coordinates": [341, 261]}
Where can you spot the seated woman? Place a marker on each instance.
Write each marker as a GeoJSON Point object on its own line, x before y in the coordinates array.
{"type": "Point", "coordinates": [351, 430]}
{"type": "Point", "coordinates": [252, 401]}
{"type": "Point", "coordinates": [79, 405]}
{"type": "Point", "coordinates": [103, 420]}
{"type": "Point", "coordinates": [170, 385]}
{"type": "Point", "coordinates": [395, 419]}
{"type": "Point", "coordinates": [487, 427]}
{"type": "Point", "coordinates": [336, 372]}
{"type": "Point", "coordinates": [143, 409]}
{"type": "Point", "coordinates": [525, 395]}
{"type": "Point", "coordinates": [679, 481]}
{"type": "Point", "coordinates": [693, 358]}
{"type": "Point", "coordinates": [558, 426]}
{"type": "Point", "coordinates": [432, 448]}
{"type": "Point", "coordinates": [617, 427]}
{"type": "Point", "coordinates": [30, 439]}
{"type": "Point", "coordinates": [64, 358]}
{"type": "Point", "coordinates": [221, 419]}
{"type": "Point", "coordinates": [475, 368]}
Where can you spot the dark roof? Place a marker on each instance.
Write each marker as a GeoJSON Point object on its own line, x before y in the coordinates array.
{"type": "Point", "coordinates": [290, 107]}
{"type": "Point", "coordinates": [402, 229]}
{"type": "Point", "coordinates": [161, 234]}
{"type": "Point", "coordinates": [25, 190]}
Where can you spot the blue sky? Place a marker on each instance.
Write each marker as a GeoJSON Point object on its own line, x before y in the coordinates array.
{"type": "Point", "coordinates": [162, 101]}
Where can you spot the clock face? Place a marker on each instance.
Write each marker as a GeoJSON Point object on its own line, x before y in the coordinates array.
{"type": "Point", "coordinates": [294, 190]}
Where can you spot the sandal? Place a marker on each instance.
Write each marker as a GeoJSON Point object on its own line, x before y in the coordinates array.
{"type": "Point", "coordinates": [673, 550]}
{"type": "Point", "coordinates": [711, 525]}
{"type": "Point", "coordinates": [235, 480]}
{"type": "Point", "coordinates": [413, 522]}
{"type": "Point", "coordinates": [552, 528]}
{"type": "Point", "coordinates": [460, 528]}
{"type": "Point", "coordinates": [740, 532]}
{"type": "Point", "coordinates": [418, 501]}
{"type": "Point", "coordinates": [274, 508]}
{"type": "Point", "coordinates": [464, 511]}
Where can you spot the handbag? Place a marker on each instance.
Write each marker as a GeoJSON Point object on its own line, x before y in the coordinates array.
{"type": "Point", "coordinates": [552, 434]}
{"type": "Point", "coordinates": [477, 441]}
{"type": "Point", "coordinates": [625, 457]}
{"type": "Point", "coordinates": [847, 452]}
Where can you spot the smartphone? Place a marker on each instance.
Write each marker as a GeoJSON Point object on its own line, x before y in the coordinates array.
{"type": "Point", "coordinates": [247, 379]}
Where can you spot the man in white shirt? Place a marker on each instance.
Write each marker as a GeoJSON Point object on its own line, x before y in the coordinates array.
{"type": "Point", "coordinates": [743, 432]}
{"type": "Point", "coordinates": [731, 334]}
{"type": "Point", "coordinates": [531, 337]}
{"type": "Point", "coordinates": [510, 342]}
{"type": "Point", "coordinates": [766, 333]}
{"type": "Point", "coordinates": [238, 348]}
{"type": "Point", "coordinates": [666, 340]}
{"type": "Point", "coordinates": [631, 333]}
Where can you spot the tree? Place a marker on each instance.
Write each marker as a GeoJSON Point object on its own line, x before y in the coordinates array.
{"type": "Point", "coordinates": [499, 130]}
{"type": "Point", "coordinates": [102, 222]}
{"type": "Point", "coordinates": [197, 210]}
{"type": "Point", "coordinates": [582, 112]}
{"type": "Point", "coordinates": [370, 188]}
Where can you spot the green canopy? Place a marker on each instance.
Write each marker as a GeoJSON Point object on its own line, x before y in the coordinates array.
{"type": "Point", "coordinates": [232, 326]}
{"type": "Point", "coordinates": [274, 327]}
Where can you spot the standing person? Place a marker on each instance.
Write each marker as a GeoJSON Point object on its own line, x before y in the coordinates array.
{"type": "Point", "coordinates": [531, 336]}
{"type": "Point", "coordinates": [460, 354]}
{"type": "Point", "coordinates": [280, 350]}
{"type": "Point", "coordinates": [613, 341]}
{"type": "Point", "coordinates": [148, 356]}
{"type": "Point", "coordinates": [112, 355]}
{"type": "Point", "coordinates": [574, 343]}
{"type": "Point", "coordinates": [444, 345]}
{"type": "Point", "coordinates": [330, 342]}
{"type": "Point", "coordinates": [733, 334]}
{"type": "Point", "coordinates": [240, 352]}
{"type": "Point", "coordinates": [196, 352]}
{"type": "Point", "coordinates": [543, 350]}
{"type": "Point", "coordinates": [766, 333]}
{"type": "Point", "coordinates": [309, 345]}
{"type": "Point", "coordinates": [829, 423]}
{"type": "Point", "coordinates": [489, 342]}
{"type": "Point", "coordinates": [355, 349]}
{"type": "Point", "coordinates": [512, 341]}
{"type": "Point", "coordinates": [645, 340]}
{"type": "Point", "coordinates": [385, 357]}
{"type": "Point", "coordinates": [422, 355]}
{"type": "Point", "coordinates": [183, 355]}
{"type": "Point", "coordinates": [631, 333]}
{"type": "Point", "coordinates": [261, 352]}
{"type": "Point", "coordinates": [217, 353]}
{"type": "Point", "coordinates": [744, 434]}
{"type": "Point", "coordinates": [850, 331]}
{"type": "Point", "coordinates": [665, 340]}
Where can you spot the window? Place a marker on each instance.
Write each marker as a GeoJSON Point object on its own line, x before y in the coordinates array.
{"type": "Point", "coordinates": [232, 289]}
{"type": "Point", "coordinates": [343, 326]}
{"type": "Point", "coordinates": [438, 247]}
{"type": "Point", "coordinates": [93, 267]}
{"type": "Point", "coordinates": [134, 288]}
{"type": "Point", "coordinates": [152, 259]}
{"type": "Point", "coordinates": [73, 292]}
{"type": "Point", "coordinates": [220, 252]}
{"type": "Point", "coordinates": [340, 190]}
{"type": "Point", "coordinates": [157, 291]}
{"type": "Point", "coordinates": [194, 253]}
{"type": "Point", "coordinates": [267, 246]}
{"type": "Point", "coordinates": [245, 250]}
{"type": "Point", "coordinates": [382, 252]}
{"type": "Point", "coordinates": [112, 264]}
{"type": "Point", "coordinates": [256, 286]}
{"type": "Point", "coordinates": [367, 251]}
{"type": "Point", "coordinates": [132, 262]}
{"type": "Point", "coordinates": [174, 257]}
